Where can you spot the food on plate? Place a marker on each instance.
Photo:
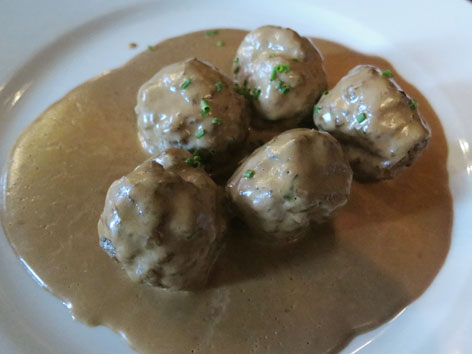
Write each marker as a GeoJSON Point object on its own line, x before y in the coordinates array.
{"type": "Point", "coordinates": [192, 105]}
{"type": "Point", "coordinates": [377, 255]}
{"type": "Point", "coordinates": [164, 222]}
{"type": "Point", "coordinates": [378, 125]}
{"type": "Point", "coordinates": [299, 177]}
{"type": "Point", "coordinates": [281, 71]}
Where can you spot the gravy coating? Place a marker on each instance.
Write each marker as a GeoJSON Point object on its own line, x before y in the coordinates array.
{"type": "Point", "coordinates": [378, 124]}
{"type": "Point", "coordinates": [379, 253]}
{"type": "Point", "coordinates": [164, 222]}
{"type": "Point", "coordinates": [298, 178]}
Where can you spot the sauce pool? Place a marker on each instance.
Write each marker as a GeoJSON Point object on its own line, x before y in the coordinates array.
{"type": "Point", "coordinates": [376, 256]}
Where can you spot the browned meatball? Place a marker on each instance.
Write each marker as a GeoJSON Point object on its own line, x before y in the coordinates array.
{"type": "Point", "coordinates": [299, 177]}
{"type": "Point", "coordinates": [191, 105]}
{"type": "Point", "coordinates": [378, 125]}
{"type": "Point", "coordinates": [164, 224]}
{"type": "Point", "coordinates": [283, 72]}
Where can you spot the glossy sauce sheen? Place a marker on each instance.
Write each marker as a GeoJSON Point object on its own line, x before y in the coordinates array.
{"type": "Point", "coordinates": [377, 255]}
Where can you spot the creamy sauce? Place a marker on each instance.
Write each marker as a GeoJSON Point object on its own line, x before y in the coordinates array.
{"type": "Point", "coordinates": [377, 255]}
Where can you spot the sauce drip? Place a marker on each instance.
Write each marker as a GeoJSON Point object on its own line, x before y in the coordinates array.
{"type": "Point", "coordinates": [375, 257]}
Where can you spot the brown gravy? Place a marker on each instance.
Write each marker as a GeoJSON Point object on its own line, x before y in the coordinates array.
{"type": "Point", "coordinates": [377, 255]}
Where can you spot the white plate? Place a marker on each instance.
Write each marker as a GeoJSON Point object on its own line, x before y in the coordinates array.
{"type": "Point", "coordinates": [47, 47]}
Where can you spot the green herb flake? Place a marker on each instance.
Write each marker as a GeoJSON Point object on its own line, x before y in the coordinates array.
{"type": "Point", "coordinates": [216, 121]}
{"type": "Point", "coordinates": [211, 33]}
{"type": "Point", "coordinates": [204, 108]}
{"type": "Point", "coordinates": [219, 86]}
{"type": "Point", "coordinates": [325, 92]}
{"type": "Point", "coordinates": [200, 133]}
{"type": "Point", "coordinates": [291, 192]}
{"type": "Point", "coordinates": [150, 48]}
{"type": "Point", "coordinates": [413, 104]}
{"type": "Point", "coordinates": [194, 161]}
{"type": "Point", "coordinates": [185, 84]}
{"type": "Point", "coordinates": [249, 174]}
{"type": "Point", "coordinates": [220, 44]}
{"type": "Point", "coordinates": [282, 87]}
{"type": "Point", "coordinates": [236, 69]}
{"type": "Point", "coordinates": [295, 60]}
{"type": "Point", "coordinates": [272, 55]}
{"type": "Point", "coordinates": [256, 93]}
{"type": "Point", "coordinates": [283, 68]}
{"type": "Point", "coordinates": [278, 69]}
{"type": "Point", "coordinates": [247, 93]}
{"type": "Point", "coordinates": [316, 109]}
{"type": "Point", "coordinates": [284, 90]}
{"type": "Point", "coordinates": [387, 73]}
{"type": "Point", "coordinates": [236, 60]}
{"type": "Point", "coordinates": [361, 117]}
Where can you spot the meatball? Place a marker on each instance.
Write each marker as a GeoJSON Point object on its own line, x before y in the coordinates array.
{"type": "Point", "coordinates": [283, 71]}
{"type": "Point", "coordinates": [191, 105]}
{"type": "Point", "coordinates": [378, 125]}
{"type": "Point", "coordinates": [299, 177]}
{"type": "Point", "coordinates": [164, 224]}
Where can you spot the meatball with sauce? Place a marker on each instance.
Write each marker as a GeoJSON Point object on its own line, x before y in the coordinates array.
{"type": "Point", "coordinates": [191, 105]}
{"type": "Point", "coordinates": [163, 222]}
{"type": "Point", "coordinates": [378, 125]}
{"type": "Point", "coordinates": [299, 177]}
{"type": "Point", "coordinates": [282, 72]}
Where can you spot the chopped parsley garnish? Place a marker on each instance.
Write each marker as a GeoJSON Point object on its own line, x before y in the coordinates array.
{"type": "Point", "coordinates": [283, 68]}
{"type": "Point", "coordinates": [316, 109]}
{"type": "Point", "coordinates": [185, 84]}
{"type": "Point", "coordinates": [387, 73]}
{"type": "Point", "coordinates": [200, 133]}
{"type": "Point", "coordinates": [236, 69]}
{"type": "Point", "coordinates": [249, 174]}
{"type": "Point", "coordinates": [256, 93]}
{"type": "Point", "coordinates": [361, 117]}
{"type": "Point", "coordinates": [216, 121]}
{"type": "Point", "coordinates": [247, 93]}
{"type": "Point", "coordinates": [413, 104]}
{"type": "Point", "coordinates": [291, 192]}
{"type": "Point", "coordinates": [204, 108]}
{"type": "Point", "coordinates": [219, 86]}
{"type": "Point", "coordinates": [282, 87]}
{"type": "Point", "coordinates": [325, 92]}
{"type": "Point", "coordinates": [295, 60]}
{"type": "Point", "coordinates": [199, 158]}
{"type": "Point", "coordinates": [194, 161]}
{"type": "Point", "coordinates": [272, 55]}
{"type": "Point", "coordinates": [150, 48]}
{"type": "Point", "coordinates": [220, 44]}
{"type": "Point", "coordinates": [278, 69]}
{"type": "Point", "coordinates": [236, 60]}
{"type": "Point", "coordinates": [211, 33]}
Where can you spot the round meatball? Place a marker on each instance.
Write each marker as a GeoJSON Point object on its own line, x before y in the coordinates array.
{"type": "Point", "coordinates": [282, 71]}
{"type": "Point", "coordinates": [164, 224]}
{"type": "Point", "coordinates": [378, 125]}
{"type": "Point", "coordinates": [191, 105]}
{"type": "Point", "coordinates": [299, 177]}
